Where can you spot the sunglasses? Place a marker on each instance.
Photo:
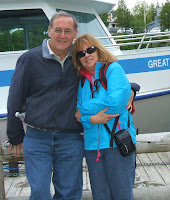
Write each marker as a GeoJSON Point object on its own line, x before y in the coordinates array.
{"type": "Point", "coordinates": [89, 50]}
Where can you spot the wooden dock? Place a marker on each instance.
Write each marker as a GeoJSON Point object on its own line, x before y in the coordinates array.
{"type": "Point", "coordinates": [153, 170]}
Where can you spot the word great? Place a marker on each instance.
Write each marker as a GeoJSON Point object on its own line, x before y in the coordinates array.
{"type": "Point", "coordinates": [158, 63]}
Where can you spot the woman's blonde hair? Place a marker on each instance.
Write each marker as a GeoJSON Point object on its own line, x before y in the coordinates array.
{"type": "Point", "coordinates": [104, 55]}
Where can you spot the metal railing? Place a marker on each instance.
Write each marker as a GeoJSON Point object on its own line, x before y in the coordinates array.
{"type": "Point", "coordinates": [143, 38]}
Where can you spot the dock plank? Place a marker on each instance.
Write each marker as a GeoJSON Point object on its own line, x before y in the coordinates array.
{"type": "Point", "coordinates": [162, 169]}
{"type": "Point", "coordinates": [23, 186]}
{"type": "Point", "coordinates": [8, 183]}
{"type": "Point", "coordinates": [141, 171]}
{"type": "Point", "coordinates": [165, 158]}
{"type": "Point", "coordinates": [25, 191]}
{"type": "Point", "coordinates": [151, 170]}
{"type": "Point", "coordinates": [145, 175]}
{"type": "Point", "coordinates": [19, 186]}
{"type": "Point", "coordinates": [168, 153]}
{"type": "Point", "coordinates": [13, 191]}
{"type": "Point", "coordinates": [86, 180]}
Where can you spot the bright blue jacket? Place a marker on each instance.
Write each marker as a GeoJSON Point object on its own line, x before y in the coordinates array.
{"type": "Point", "coordinates": [115, 98]}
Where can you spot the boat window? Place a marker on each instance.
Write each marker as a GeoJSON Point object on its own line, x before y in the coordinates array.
{"type": "Point", "coordinates": [88, 23]}
{"type": "Point", "coordinates": [22, 29]}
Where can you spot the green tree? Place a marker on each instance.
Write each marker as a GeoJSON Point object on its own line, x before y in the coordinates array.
{"type": "Point", "coordinates": [5, 37]}
{"type": "Point", "coordinates": [37, 35]}
{"type": "Point", "coordinates": [139, 17]}
{"type": "Point", "coordinates": [104, 18]}
{"type": "Point", "coordinates": [123, 15]}
{"type": "Point", "coordinates": [17, 40]}
{"type": "Point", "coordinates": [151, 13]}
{"type": "Point", "coordinates": [138, 25]}
{"type": "Point", "coordinates": [164, 16]}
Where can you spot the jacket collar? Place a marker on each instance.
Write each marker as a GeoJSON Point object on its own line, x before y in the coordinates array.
{"type": "Point", "coordinates": [88, 75]}
{"type": "Point", "coordinates": [46, 54]}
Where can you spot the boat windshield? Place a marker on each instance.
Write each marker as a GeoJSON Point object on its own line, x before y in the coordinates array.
{"type": "Point", "coordinates": [22, 29]}
{"type": "Point", "coordinates": [26, 28]}
{"type": "Point", "coordinates": [88, 23]}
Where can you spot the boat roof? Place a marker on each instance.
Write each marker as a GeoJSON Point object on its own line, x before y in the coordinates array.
{"type": "Point", "coordinates": [100, 6]}
{"type": "Point", "coordinates": [103, 6]}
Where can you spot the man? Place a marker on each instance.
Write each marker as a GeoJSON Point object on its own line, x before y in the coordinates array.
{"type": "Point", "coordinates": [44, 87]}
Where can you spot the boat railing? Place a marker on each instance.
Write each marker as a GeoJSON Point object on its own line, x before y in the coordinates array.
{"type": "Point", "coordinates": [138, 39]}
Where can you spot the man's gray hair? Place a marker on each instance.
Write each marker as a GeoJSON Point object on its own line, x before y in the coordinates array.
{"type": "Point", "coordinates": [65, 14]}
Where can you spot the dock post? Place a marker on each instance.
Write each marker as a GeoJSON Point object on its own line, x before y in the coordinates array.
{"type": "Point", "coordinates": [2, 188]}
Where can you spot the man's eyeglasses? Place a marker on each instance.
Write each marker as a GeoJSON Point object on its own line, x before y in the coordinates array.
{"type": "Point", "coordinates": [89, 50]}
{"type": "Point", "coordinates": [66, 31]}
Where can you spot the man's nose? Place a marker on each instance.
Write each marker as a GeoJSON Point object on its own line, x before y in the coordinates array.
{"type": "Point", "coordinates": [62, 34]}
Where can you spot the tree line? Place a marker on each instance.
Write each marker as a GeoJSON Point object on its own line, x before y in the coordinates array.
{"type": "Point", "coordinates": [141, 15]}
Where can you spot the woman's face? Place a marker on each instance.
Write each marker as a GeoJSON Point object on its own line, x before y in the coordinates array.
{"type": "Point", "coordinates": [89, 60]}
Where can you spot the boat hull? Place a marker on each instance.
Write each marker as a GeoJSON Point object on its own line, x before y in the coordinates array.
{"type": "Point", "coordinates": [3, 135]}
{"type": "Point", "coordinates": [151, 116]}
{"type": "Point", "coordinates": [150, 67]}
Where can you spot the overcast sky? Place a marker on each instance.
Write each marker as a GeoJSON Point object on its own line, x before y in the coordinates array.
{"type": "Point", "coordinates": [131, 3]}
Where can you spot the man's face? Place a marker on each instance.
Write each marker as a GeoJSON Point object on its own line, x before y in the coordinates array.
{"type": "Point", "coordinates": [62, 34]}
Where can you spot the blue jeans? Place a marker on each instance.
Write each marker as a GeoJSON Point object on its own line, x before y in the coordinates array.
{"type": "Point", "coordinates": [57, 155]}
{"type": "Point", "coordinates": [112, 178]}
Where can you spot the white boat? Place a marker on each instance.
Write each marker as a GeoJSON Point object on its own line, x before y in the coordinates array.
{"type": "Point", "coordinates": [23, 25]}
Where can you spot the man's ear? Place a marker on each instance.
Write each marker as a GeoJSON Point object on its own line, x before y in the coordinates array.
{"type": "Point", "coordinates": [76, 32]}
{"type": "Point", "coordinates": [49, 31]}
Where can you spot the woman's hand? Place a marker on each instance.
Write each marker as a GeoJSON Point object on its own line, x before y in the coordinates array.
{"type": "Point", "coordinates": [101, 117]}
{"type": "Point", "coordinates": [77, 115]}
{"type": "Point", "coordinates": [129, 104]}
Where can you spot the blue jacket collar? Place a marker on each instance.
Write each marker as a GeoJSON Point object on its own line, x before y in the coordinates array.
{"type": "Point", "coordinates": [97, 69]}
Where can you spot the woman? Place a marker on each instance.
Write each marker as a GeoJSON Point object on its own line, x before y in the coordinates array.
{"type": "Point", "coordinates": [111, 174]}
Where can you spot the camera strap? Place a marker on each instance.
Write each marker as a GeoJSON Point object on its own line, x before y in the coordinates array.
{"type": "Point", "coordinates": [114, 128]}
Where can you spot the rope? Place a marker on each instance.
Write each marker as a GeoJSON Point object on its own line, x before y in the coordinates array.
{"type": "Point", "coordinates": [152, 164]}
{"type": "Point", "coordinates": [10, 168]}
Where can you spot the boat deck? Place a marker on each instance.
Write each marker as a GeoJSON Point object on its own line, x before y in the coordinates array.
{"type": "Point", "coordinates": [153, 169]}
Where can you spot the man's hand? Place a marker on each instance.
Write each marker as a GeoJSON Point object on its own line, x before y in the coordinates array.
{"type": "Point", "coordinates": [17, 149]}
{"type": "Point", "coordinates": [101, 117]}
{"type": "Point", "coordinates": [129, 104]}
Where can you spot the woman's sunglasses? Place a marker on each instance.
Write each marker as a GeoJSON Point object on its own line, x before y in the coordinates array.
{"type": "Point", "coordinates": [89, 50]}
